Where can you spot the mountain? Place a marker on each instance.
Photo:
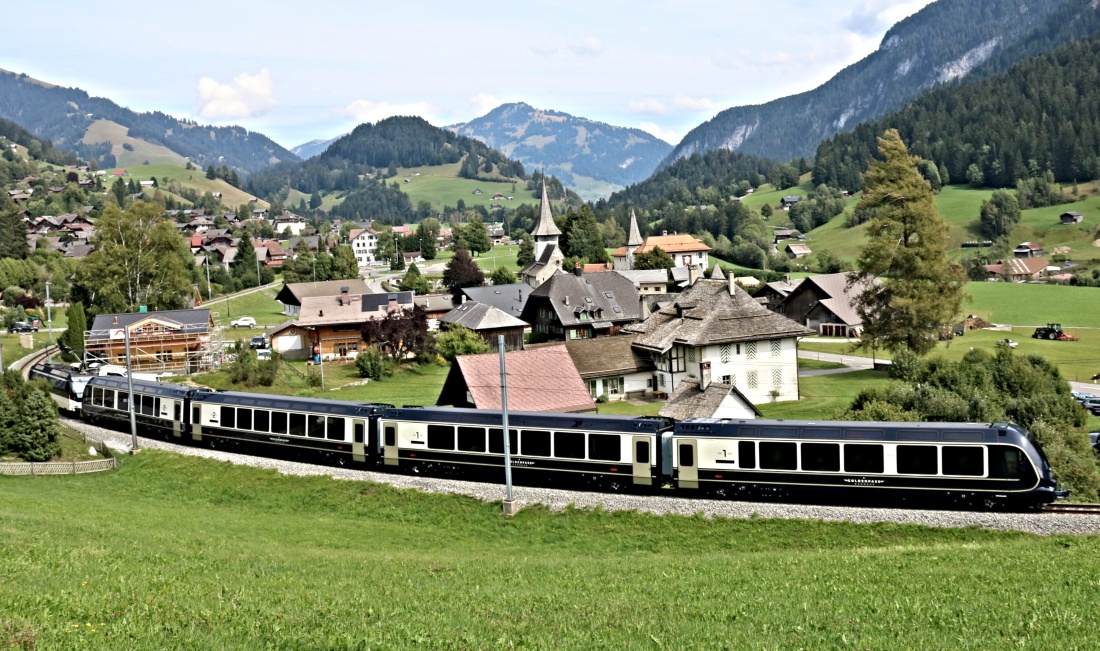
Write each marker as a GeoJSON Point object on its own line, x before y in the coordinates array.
{"type": "Point", "coordinates": [944, 43]}
{"type": "Point", "coordinates": [593, 157]}
{"type": "Point", "coordinates": [313, 147]}
{"type": "Point", "coordinates": [95, 127]}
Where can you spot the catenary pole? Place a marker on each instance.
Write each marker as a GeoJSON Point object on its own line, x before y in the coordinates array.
{"type": "Point", "coordinates": [504, 418]}
{"type": "Point", "coordinates": [130, 401]}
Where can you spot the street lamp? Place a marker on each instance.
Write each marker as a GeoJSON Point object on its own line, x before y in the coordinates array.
{"type": "Point", "coordinates": [49, 313]}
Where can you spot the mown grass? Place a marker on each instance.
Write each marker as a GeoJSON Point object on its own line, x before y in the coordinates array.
{"type": "Point", "coordinates": [260, 305]}
{"type": "Point", "coordinates": [823, 396]}
{"type": "Point", "coordinates": [194, 179]}
{"type": "Point", "coordinates": [181, 552]}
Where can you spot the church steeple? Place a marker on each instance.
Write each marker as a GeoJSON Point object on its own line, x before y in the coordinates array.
{"type": "Point", "coordinates": [635, 237]}
{"type": "Point", "coordinates": [546, 226]}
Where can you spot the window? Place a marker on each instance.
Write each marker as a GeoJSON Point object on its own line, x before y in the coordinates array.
{"type": "Point", "coordinates": [778, 456]}
{"type": "Point", "coordinates": [496, 441]}
{"type": "Point", "coordinates": [229, 417]}
{"type": "Point", "coordinates": [390, 439]}
{"type": "Point", "coordinates": [863, 458]}
{"type": "Point", "coordinates": [750, 350]}
{"type": "Point", "coordinates": [441, 437]}
{"type": "Point", "coordinates": [777, 377]}
{"type": "Point", "coordinates": [687, 455]}
{"type": "Point", "coordinates": [641, 452]}
{"type": "Point", "coordinates": [754, 379]}
{"type": "Point", "coordinates": [821, 457]}
{"type": "Point", "coordinates": [335, 428]}
{"type": "Point", "coordinates": [278, 422]}
{"type": "Point", "coordinates": [676, 359]}
{"type": "Point", "coordinates": [608, 295]}
{"type": "Point", "coordinates": [535, 443]}
{"type": "Point", "coordinates": [297, 424]}
{"type": "Point", "coordinates": [604, 447]}
{"type": "Point", "coordinates": [244, 419]}
{"type": "Point", "coordinates": [196, 414]}
{"type": "Point", "coordinates": [661, 380]}
{"type": "Point", "coordinates": [777, 348]}
{"type": "Point", "coordinates": [593, 388]}
{"type": "Point", "coordinates": [691, 355]}
{"type": "Point", "coordinates": [917, 460]}
{"type": "Point", "coordinates": [1004, 462]}
{"type": "Point", "coordinates": [177, 413]}
{"type": "Point", "coordinates": [615, 386]}
{"type": "Point", "coordinates": [261, 419]}
{"type": "Point", "coordinates": [316, 427]}
{"type": "Point", "coordinates": [968, 461]}
{"type": "Point", "coordinates": [747, 451]}
{"type": "Point", "coordinates": [569, 445]}
{"type": "Point", "coordinates": [146, 403]}
{"type": "Point", "coordinates": [471, 439]}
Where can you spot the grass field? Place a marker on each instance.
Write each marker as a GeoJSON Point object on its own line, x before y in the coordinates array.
{"type": "Point", "coordinates": [502, 255]}
{"type": "Point", "coordinates": [194, 179]}
{"type": "Point", "coordinates": [181, 552]}
{"type": "Point", "coordinates": [260, 305]}
{"type": "Point", "coordinates": [440, 185]}
{"type": "Point", "coordinates": [117, 135]}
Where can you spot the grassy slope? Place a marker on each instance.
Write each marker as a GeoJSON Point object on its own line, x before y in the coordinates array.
{"type": "Point", "coordinates": [186, 552]}
{"type": "Point", "coordinates": [194, 179]}
{"type": "Point", "coordinates": [116, 134]}
{"type": "Point", "coordinates": [440, 185]}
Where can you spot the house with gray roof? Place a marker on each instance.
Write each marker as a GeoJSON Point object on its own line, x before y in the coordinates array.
{"type": "Point", "coordinates": [704, 399]}
{"type": "Point", "coordinates": [581, 306]}
{"type": "Point", "coordinates": [291, 294]}
{"type": "Point", "coordinates": [488, 322]}
{"type": "Point", "coordinates": [715, 321]}
{"type": "Point", "coordinates": [508, 298]}
{"type": "Point", "coordinates": [825, 304]}
{"type": "Point", "coordinates": [613, 367]}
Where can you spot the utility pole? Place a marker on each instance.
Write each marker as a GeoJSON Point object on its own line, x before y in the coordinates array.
{"type": "Point", "coordinates": [49, 313]}
{"type": "Point", "coordinates": [209, 295]}
{"type": "Point", "coordinates": [258, 283]}
{"type": "Point", "coordinates": [130, 400]}
{"type": "Point", "coordinates": [510, 507]}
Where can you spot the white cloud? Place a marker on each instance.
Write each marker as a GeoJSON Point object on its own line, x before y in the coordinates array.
{"type": "Point", "coordinates": [247, 96]}
{"type": "Point", "coordinates": [871, 17]}
{"type": "Point", "coordinates": [671, 136]}
{"type": "Point", "coordinates": [685, 103]}
{"type": "Point", "coordinates": [364, 110]}
{"type": "Point", "coordinates": [589, 46]}
{"type": "Point", "coordinates": [648, 106]}
{"type": "Point", "coordinates": [484, 102]}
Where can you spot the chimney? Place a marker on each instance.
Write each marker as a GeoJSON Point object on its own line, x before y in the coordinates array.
{"type": "Point", "coordinates": [344, 293]}
{"type": "Point", "coordinates": [693, 274]}
{"type": "Point", "coordinates": [578, 270]}
{"type": "Point", "coordinates": [732, 284]}
{"type": "Point", "coordinates": [704, 375]}
{"type": "Point", "coordinates": [392, 301]}
{"type": "Point", "coordinates": [115, 322]}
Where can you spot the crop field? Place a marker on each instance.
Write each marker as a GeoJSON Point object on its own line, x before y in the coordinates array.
{"type": "Point", "coordinates": [181, 552]}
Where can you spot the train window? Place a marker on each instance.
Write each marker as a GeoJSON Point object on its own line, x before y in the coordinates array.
{"type": "Point", "coordinates": [110, 398]}
{"type": "Point", "coordinates": [316, 427]}
{"type": "Point", "coordinates": [229, 417]}
{"type": "Point", "coordinates": [177, 413]}
{"type": "Point", "coordinates": [747, 453]}
{"type": "Point", "coordinates": [156, 406]}
{"type": "Point", "coordinates": [821, 457]}
{"type": "Point", "coordinates": [244, 418]}
{"type": "Point", "coordinates": [391, 435]}
{"type": "Point", "coordinates": [641, 452]}
{"type": "Point", "coordinates": [864, 434]}
{"type": "Point", "coordinates": [917, 435]}
{"type": "Point", "coordinates": [146, 405]}
{"type": "Point", "coordinates": [335, 429]}
{"type": "Point", "coordinates": [966, 460]}
{"type": "Point", "coordinates": [605, 447]}
{"type": "Point", "coordinates": [297, 424]}
{"type": "Point", "coordinates": [569, 445]}
{"type": "Point", "coordinates": [123, 401]}
{"type": "Point", "coordinates": [778, 456]}
{"type": "Point", "coordinates": [196, 415]}
{"type": "Point", "coordinates": [782, 432]}
{"type": "Point", "coordinates": [441, 437]}
{"type": "Point", "coordinates": [471, 439]}
{"type": "Point", "coordinates": [358, 433]}
{"type": "Point", "coordinates": [863, 458]}
{"type": "Point", "coordinates": [687, 455]}
{"type": "Point", "coordinates": [918, 460]}
{"type": "Point", "coordinates": [94, 398]}
{"type": "Point", "coordinates": [535, 443]}
{"type": "Point", "coordinates": [278, 422]}
{"type": "Point", "coordinates": [261, 420]}
{"type": "Point", "coordinates": [496, 440]}
{"type": "Point", "coordinates": [1004, 462]}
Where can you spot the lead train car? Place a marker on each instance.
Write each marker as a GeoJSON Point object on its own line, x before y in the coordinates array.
{"type": "Point", "coordinates": [611, 452]}
{"type": "Point", "coordinates": [66, 387]}
{"type": "Point", "coordinates": [993, 464]}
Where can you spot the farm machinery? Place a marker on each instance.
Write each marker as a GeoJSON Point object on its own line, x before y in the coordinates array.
{"type": "Point", "coordinates": [1053, 332]}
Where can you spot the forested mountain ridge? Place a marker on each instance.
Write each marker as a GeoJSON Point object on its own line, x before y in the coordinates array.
{"type": "Point", "coordinates": [567, 146]}
{"type": "Point", "coordinates": [63, 116]}
{"type": "Point", "coordinates": [1042, 115]}
{"type": "Point", "coordinates": [944, 43]}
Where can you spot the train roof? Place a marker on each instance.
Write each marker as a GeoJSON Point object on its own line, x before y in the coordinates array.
{"type": "Point", "coordinates": [290, 403]}
{"type": "Point", "coordinates": [58, 371]}
{"type": "Point", "coordinates": [850, 430]}
{"type": "Point", "coordinates": [459, 415]}
{"type": "Point", "coordinates": [142, 386]}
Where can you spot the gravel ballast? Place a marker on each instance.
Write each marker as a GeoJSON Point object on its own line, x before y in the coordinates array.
{"type": "Point", "coordinates": [1037, 523]}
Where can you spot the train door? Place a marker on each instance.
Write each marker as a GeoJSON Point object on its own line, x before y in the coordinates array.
{"type": "Point", "coordinates": [642, 461]}
{"type": "Point", "coordinates": [389, 443]}
{"type": "Point", "coordinates": [172, 410]}
{"type": "Point", "coordinates": [359, 435]}
{"type": "Point", "coordinates": [196, 421]}
{"type": "Point", "coordinates": [686, 463]}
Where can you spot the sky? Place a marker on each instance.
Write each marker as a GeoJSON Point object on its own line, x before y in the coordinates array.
{"type": "Point", "coordinates": [298, 71]}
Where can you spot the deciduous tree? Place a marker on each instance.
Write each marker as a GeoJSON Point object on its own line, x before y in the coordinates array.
{"type": "Point", "coordinates": [461, 272]}
{"type": "Point", "coordinates": [460, 341]}
{"type": "Point", "coordinates": [655, 258]}
{"type": "Point", "coordinates": [400, 333]}
{"type": "Point", "coordinates": [502, 276]}
{"type": "Point", "coordinates": [414, 281]}
{"type": "Point", "coordinates": [999, 214]}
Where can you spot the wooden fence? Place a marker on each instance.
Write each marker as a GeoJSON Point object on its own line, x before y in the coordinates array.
{"type": "Point", "coordinates": [65, 467]}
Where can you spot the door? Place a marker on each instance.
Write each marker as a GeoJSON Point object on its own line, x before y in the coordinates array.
{"type": "Point", "coordinates": [359, 433]}
{"type": "Point", "coordinates": [196, 422]}
{"type": "Point", "coordinates": [389, 444]}
{"type": "Point", "coordinates": [687, 463]}
{"type": "Point", "coordinates": [173, 409]}
{"type": "Point", "coordinates": [642, 461]}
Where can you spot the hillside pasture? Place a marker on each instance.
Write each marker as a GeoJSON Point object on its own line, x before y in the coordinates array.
{"type": "Point", "coordinates": [441, 186]}
{"type": "Point", "coordinates": [194, 179]}
{"type": "Point", "coordinates": [118, 135]}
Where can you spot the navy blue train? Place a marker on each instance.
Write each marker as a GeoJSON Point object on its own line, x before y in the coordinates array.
{"type": "Point", "coordinates": [987, 465]}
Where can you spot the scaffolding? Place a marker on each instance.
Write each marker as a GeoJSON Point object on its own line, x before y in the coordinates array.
{"type": "Point", "coordinates": [155, 347]}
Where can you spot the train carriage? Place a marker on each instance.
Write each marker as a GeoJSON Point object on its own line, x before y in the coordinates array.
{"type": "Point", "coordinates": [160, 409]}
{"type": "Point", "coordinates": [987, 464]}
{"type": "Point", "coordinates": [66, 387]}
{"type": "Point", "coordinates": [609, 451]}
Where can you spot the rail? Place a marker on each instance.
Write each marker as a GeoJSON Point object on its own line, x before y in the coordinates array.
{"type": "Point", "coordinates": [1092, 509]}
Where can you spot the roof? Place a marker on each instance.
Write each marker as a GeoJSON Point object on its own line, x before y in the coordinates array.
{"type": "Point", "coordinates": [1029, 246]}
{"type": "Point", "coordinates": [640, 276]}
{"type": "Point", "coordinates": [1018, 266]}
{"type": "Point", "coordinates": [603, 296]}
{"type": "Point", "coordinates": [799, 249]}
{"type": "Point", "coordinates": [539, 379]}
{"type": "Point", "coordinates": [706, 313]}
{"type": "Point", "coordinates": [196, 321]}
{"type": "Point", "coordinates": [687, 401]}
{"type": "Point", "coordinates": [434, 303]}
{"type": "Point", "coordinates": [635, 236]}
{"type": "Point", "coordinates": [479, 317]}
{"type": "Point", "coordinates": [603, 356]}
{"type": "Point", "coordinates": [293, 293]}
{"type": "Point", "coordinates": [781, 287]}
{"type": "Point", "coordinates": [546, 225]}
{"type": "Point", "coordinates": [671, 244]}
{"type": "Point", "coordinates": [508, 298]}
{"type": "Point", "coordinates": [841, 297]}
{"type": "Point", "coordinates": [357, 308]}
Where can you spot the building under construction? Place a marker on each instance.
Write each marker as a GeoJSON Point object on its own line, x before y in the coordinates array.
{"type": "Point", "coordinates": [160, 342]}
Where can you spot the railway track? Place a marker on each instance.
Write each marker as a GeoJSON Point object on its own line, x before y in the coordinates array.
{"type": "Point", "coordinates": [24, 365]}
{"type": "Point", "coordinates": [1092, 509]}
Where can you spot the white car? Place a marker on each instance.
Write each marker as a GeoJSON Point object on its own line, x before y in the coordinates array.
{"type": "Point", "coordinates": [243, 322]}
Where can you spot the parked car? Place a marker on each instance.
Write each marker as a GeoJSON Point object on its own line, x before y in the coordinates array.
{"type": "Point", "coordinates": [1094, 440]}
{"type": "Point", "coordinates": [263, 355]}
{"type": "Point", "coordinates": [1008, 342]}
{"type": "Point", "coordinates": [1081, 397]}
{"type": "Point", "coordinates": [1092, 404]}
{"type": "Point", "coordinates": [243, 322]}
{"type": "Point", "coordinates": [21, 326]}
{"type": "Point", "coordinates": [257, 343]}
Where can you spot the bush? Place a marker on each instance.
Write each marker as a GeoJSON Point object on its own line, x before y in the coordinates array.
{"type": "Point", "coordinates": [313, 376]}
{"type": "Point", "coordinates": [460, 341]}
{"type": "Point", "coordinates": [371, 363]}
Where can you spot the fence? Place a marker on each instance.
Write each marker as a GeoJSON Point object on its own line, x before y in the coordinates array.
{"type": "Point", "coordinates": [65, 467]}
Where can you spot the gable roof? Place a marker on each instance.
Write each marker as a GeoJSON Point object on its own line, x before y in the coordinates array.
{"type": "Point", "coordinates": [293, 293]}
{"type": "Point", "coordinates": [539, 379]}
{"type": "Point", "coordinates": [671, 244]}
{"type": "Point", "coordinates": [357, 308]}
{"type": "Point", "coordinates": [647, 276]}
{"type": "Point", "coordinates": [603, 356]}
{"type": "Point", "coordinates": [607, 297]}
{"type": "Point", "coordinates": [1018, 266]}
{"type": "Point", "coordinates": [478, 317]}
{"type": "Point", "coordinates": [195, 321]}
{"type": "Point", "coordinates": [687, 401]}
{"type": "Point", "coordinates": [508, 298]}
{"type": "Point", "coordinates": [706, 313]}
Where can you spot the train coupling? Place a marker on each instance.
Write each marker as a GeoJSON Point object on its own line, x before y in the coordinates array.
{"type": "Point", "coordinates": [1061, 492]}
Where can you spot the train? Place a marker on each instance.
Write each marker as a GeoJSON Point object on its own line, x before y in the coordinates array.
{"type": "Point", "coordinates": [66, 386]}
{"type": "Point", "coordinates": [979, 465]}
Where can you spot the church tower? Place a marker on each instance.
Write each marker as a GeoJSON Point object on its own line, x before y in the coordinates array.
{"type": "Point", "coordinates": [548, 255]}
{"type": "Point", "coordinates": [633, 240]}
{"type": "Point", "coordinates": [546, 231]}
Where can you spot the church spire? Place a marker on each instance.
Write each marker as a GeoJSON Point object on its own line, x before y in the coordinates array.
{"type": "Point", "coordinates": [635, 238]}
{"type": "Point", "coordinates": [546, 226]}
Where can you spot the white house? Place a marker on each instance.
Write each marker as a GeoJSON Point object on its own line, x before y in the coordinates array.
{"type": "Point", "coordinates": [364, 243]}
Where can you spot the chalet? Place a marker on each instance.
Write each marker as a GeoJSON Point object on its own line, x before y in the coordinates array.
{"type": "Point", "coordinates": [288, 222]}
{"type": "Point", "coordinates": [612, 367]}
{"type": "Point", "coordinates": [703, 398]}
{"type": "Point", "coordinates": [498, 195]}
{"type": "Point", "coordinates": [786, 202]}
{"type": "Point", "coordinates": [403, 231]}
{"type": "Point", "coordinates": [581, 306]}
{"type": "Point", "coordinates": [273, 253]}
{"type": "Point", "coordinates": [539, 379]}
{"type": "Point", "coordinates": [826, 304]}
{"type": "Point", "coordinates": [329, 326]}
{"type": "Point", "coordinates": [259, 213]}
{"type": "Point", "coordinates": [1028, 250]}
{"type": "Point", "coordinates": [476, 191]}
{"type": "Point", "coordinates": [716, 321]}
{"type": "Point", "coordinates": [1071, 217]}
{"type": "Point", "coordinates": [1018, 270]}
{"type": "Point", "coordinates": [147, 184]}
{"type": "Point", "coordinates": [488, 322]}
{"type": "Point", "coordinates": [78, 251]}
{"type": "Point", "coordinates": [781, 234]}
{"type": "Point", "coordinates": [292, 294]}
{"type": "Point", "coordinates": [160, 342]}
{"type": "Point", "coordinates": [798, 251]}
{"type": "Point", "coordinates": [364, 243]}
{"type": "Point", "coordinates": [772, 294]}
{"type": "Point", "coordinates": [412, 257]}
{"type": "Point", "coordinates": [646, 281]}
{"type": "Point", "coordinates": [685, 250]}
{"type": "Point", "coordinates": [509, 299]}
{"type": "Point", "coordinates": [434, 306]}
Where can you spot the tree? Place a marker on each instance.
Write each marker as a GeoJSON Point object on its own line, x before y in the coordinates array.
{"type": "Point", "coordinates": [13, 233]}
{"type": "Point", "coordinates": [315, 200]}
{"type": "Point", "coordinates": [477, 236]}
{"type": "Point", "coordinates": [36, 429]}
{"type": "Point", "coordinates": [655, 258]}
{"type": "Point", "coordinates": [974, 176]}
{"type": "Point", "coordinates": [920, 290]}
{"type": "Point", "coordinates": [139, 259]}
{"type": "Point", "coordinates": [344, 264]}
{"type": "Point", "coordinates": [400, 333]}
{"type": "Point", "coordinates": [999, 214]}
{"type": "Point", "coordinates": [525, 255]}
{"type": "Point", "coordinates": [244, 267]}
{"type": "Point", "coordinates": [425, 235]}
{"type": "Point", "coordinates": [582, 236]}
{"type": "Point", "coordinates": [502, 276]}
{"type": "Point", "coordinates": [210, 173]}
{"type": "Point", "coordinates": [414, 281]}
{"type": "Point", "coordinates": [460, 341]}
{"type": "Point", "coordinates": [72, 340]}
{"type": "Point", "coordinates": [461, 272]}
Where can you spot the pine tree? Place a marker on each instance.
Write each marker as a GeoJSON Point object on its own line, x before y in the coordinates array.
{"type": "Point", "coordinates": [920, 290]}
{"type": "Point", "coordinates": [13, 233]}
{"type": "Point", "coordinates": [72, 340]}
{"type": "Point", "coordinates": [244, 264]}
{"type": "Point", "coordinates": [414, 281]}
{"type": "Point", "coordinates": [502, 276]}
{"type": "Point", "coordinates": [525, 255]}
{"type": "Point", "coordinates": [38, 427]}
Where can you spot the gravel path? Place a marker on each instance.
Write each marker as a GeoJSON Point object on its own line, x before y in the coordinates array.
{"type": "Point", "coordinates": [1037, 523]}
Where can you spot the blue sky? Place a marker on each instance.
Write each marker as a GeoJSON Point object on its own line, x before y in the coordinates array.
{"type": "Point", "coordinates": [296, 71]}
